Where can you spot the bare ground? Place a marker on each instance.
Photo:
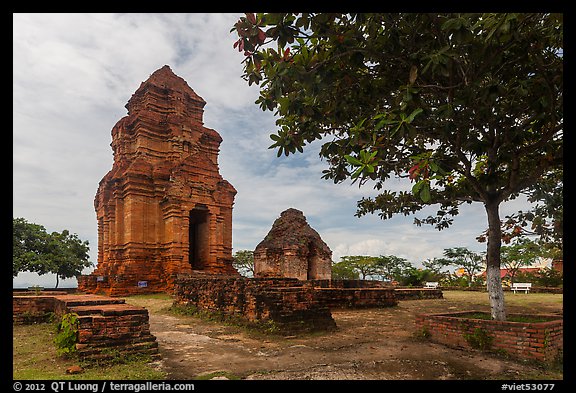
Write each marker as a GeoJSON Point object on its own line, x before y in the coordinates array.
{"type": "Point", "coordinates": [375, 344]}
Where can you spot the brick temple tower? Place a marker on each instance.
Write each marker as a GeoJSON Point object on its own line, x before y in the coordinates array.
{"type": "Point", "coordinates": [163, 209]}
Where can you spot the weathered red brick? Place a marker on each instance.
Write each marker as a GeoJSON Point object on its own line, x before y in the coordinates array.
{"type": "Point", "coordinates": [163, 209]}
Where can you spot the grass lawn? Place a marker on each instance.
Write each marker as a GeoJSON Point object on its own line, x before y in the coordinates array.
{"type": "Point", "coordinates": [537, 303]}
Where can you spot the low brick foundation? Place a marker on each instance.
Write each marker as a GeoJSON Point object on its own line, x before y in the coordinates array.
{"type": "Point", "coordinates": [28, 309]}
{"type": "Point", "coordinates": [540, 341]}
{"type": "Point", "coordinates": [277, 302]}
{"type": "Point", "coordinates": [354, 293]}
{"type": "Point", "coordinates": [347, 284]}
{"type": "Point", "coordinates": [107, 327]}
{"type": "Point", "coordinates": [290, 305]}
{"type": "Point", "coordinates": [418, 293]}
{"type": "Point", "coordinates": [357, 297]}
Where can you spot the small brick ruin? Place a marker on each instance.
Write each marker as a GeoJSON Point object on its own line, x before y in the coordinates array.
{"type": "Point", "coordinates": [540, 341]}
{"type": "Point", "coordinates": [294, 249]}
{"type": "Point", "coordinates": [163, 209]}
{"type": "Point", "coordinates": [107, 327]}
{"type": "Point", "coordinates": [257, 301]}
{"type": "Point", "coordinates": [288, 304]}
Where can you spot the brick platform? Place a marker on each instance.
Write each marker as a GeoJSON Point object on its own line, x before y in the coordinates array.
{"type": "Point", "coordinates": [418, 293]}
{"type": "Point", "coordinates": [291, 305]}
{"type": "Point", "coordinates": [540, 341]}
{"type": "Point", "coordinates": [107, 327]}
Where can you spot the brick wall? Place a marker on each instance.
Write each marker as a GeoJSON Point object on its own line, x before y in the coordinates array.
{"type": "Point", "coordinates": [290, 304]}
{"type": "Point", "coordinates": [358, 297]}
{"type": "Point", "coordinates": [29, 309]}
{"type": "Point", "coordinates": [282, 302]}
{"type": "Point", "coordinates": [541, 341]}
{"type": "Point", "coordinates": [346, 284]}
{"type": "Point", "coordinates": [418, 293]}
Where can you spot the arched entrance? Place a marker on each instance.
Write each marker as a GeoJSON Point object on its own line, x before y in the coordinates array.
{"type": "Point", "coordinates": [198, 239]}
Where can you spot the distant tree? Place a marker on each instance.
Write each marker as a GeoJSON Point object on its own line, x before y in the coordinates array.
{"type": "Point", "coordinates": [244, 262]}
{"type": "Point", "coordinates": [34, 250]}
{"type": "Point", "coordinates": [470, 261]}
{"type": "Point", "coordinates": [363, 264]}
{"type": "Point", "coordinates": [28, 247]}
{"type": "Point", "coordinates": [415, 277]}
{"type": "Point", "coordinates": [435, 265]}
{"type": "Point", "coordinates": [66, 255]}
{"type": "Point", "coordinates": [343, 271]}
{"type": "Point", "coordinates": [467, 106]}
{"type": "Point", "coordinates": [392, 266]}
{"type": "Point", "coordinates": [522, 252]}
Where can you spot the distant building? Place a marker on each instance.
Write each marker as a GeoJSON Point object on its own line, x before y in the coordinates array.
{"type": "Point", "coordinates": [535, 268]}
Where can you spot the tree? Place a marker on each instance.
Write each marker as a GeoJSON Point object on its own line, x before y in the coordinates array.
{"type": "Point", "coordinates": [391, 266]}
{"type": "Point", "coordinates": [34, 250]}
{"type": "Point", "coordinates": [244, 262]}
{"type": "Point", "coordinates": [343, 271]}
{"type": "Point", "coordinates": [469, 107]}
{"type": "Point", "coordinates": [66, 255]}
{"type": "Point", "coordinates": [523, 252]}
{"type": "Point", "coordinates": [363, 264]}
{"type": "Point", "coordinates": [28, 247]}
{"type": "Point", "coordinates": [546, 277]}
{"type": "Point", "coordinates": [435, 265]}
{"type": "Point", "coordinates": [470, 261]}
{"type": "Point", "coordinates": [415, 277]}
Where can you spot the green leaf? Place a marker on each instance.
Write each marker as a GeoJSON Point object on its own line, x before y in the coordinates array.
{"type": "Point", "coordinates": [358, 125]}
{"type": "Point", "coordinates": [385, 122]}
{"type": "Point", "coordinates": [397, 128]}
{"type": "Point", "coordinates": [416, 188]}
{"type": "Point", "coordinates": [425, 192]}
{"type": "Point", "coordinates": [352, 160]}
{"type": "Point", "coordinates": [414, 113]}
{"type": "Point", "coordinates": [357, 172]}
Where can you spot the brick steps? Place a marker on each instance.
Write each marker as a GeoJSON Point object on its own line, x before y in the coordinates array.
{"type": "Point", "coordinates": [108, 328]}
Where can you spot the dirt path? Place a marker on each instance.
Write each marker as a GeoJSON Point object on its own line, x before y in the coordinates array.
{"type": "Point", "coordinates": [369, 344]}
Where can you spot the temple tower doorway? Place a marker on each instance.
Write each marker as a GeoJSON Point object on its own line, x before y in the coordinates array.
{"type": "Point", "coordinates": [198, 239]}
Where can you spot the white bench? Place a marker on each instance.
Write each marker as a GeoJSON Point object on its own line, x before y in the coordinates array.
{"type": "Point", "coordinates": [431, 285]}
{"type": "Point", "coordinates": [521, 286]}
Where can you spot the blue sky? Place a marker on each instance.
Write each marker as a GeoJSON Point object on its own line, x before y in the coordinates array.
{"type": "Point", "coordinates": [72, 76]}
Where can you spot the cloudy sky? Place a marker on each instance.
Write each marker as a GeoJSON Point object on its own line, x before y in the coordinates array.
{"type": "Point", "coordinates": [72, 76]}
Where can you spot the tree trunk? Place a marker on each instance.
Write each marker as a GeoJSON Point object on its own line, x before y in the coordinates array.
{"type": "Point", "coordinates": [493, 279]}
{"type": "Point", "coordinates": [57, 281]}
